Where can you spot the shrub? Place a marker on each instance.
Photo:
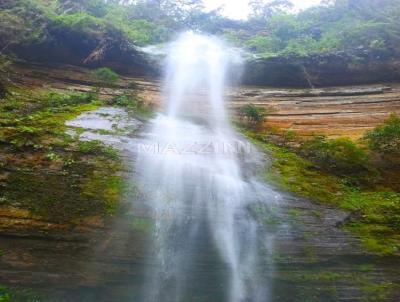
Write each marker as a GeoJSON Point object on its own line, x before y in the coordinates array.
{"type": "Point", "coordinates": [252, 114]}
{"type": "Point", "coordinates": [142, 32]}
{"type": "Point", "coordinates": [289, 137]}
{"type": "Point", "coordinates": [265, 45]}
{"type": "Point", "coordinates": [56, 100]}
{"type": "Point", "coordinates": [105, 76]}
{"type": "Point", "coordinates": [385, 139]}
{"type": "Point", "coordinates": [340, 156]}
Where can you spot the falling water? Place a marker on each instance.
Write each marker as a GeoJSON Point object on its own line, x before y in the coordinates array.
{"type": "Point", "coordinates": [206, 243]}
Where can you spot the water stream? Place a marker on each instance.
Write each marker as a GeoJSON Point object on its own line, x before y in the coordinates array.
{"type": "Point", "coordinates": [199, 189]}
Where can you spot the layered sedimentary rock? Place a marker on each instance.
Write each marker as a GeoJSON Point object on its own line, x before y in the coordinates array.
{"type": "Point", "coordinates": [336, 111]}
{"type": "Point", "coordinates": [340, 111]}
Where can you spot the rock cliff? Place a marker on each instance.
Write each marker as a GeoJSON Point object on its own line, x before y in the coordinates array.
{"type": "Point", "coordinates": [335, 69]}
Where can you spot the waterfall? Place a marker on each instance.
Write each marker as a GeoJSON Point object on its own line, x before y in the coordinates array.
{"type": "Point", "coordinates": [206, 244]}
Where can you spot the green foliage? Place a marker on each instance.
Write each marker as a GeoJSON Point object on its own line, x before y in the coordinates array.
{"type": "Point", "coordinates": [53, 175]}
{"type": "Point", "coordinates": [127, 101]}
{"type": "Point", "coordinates": [96, 147]}
{"type": "Point", "coordinates": [262, 10]}
{"type": "Point", "coordinates": [105, 76]}
{"type": "Point", "coordinates": [28, 21]}
{"type": "Point", "coordinates": [271, 29]}
{"type": "Point", "coordinates": [327, 28]}
{"type": "Point", "coordinates": [252, 114]}
{"type": "Point", "coordinates": [21, 27]}
{"type": "Point", "coordinates": [97, 8]}
{"type": "Point", "coordinates": [142, 22]}
{"type": "Point", "coordinates": [267, 45]}
{"type": "Point", "coordinates": [376, 210]}
{"type": "Point", "coordinates": [385, 139]}
{"type": "Point", "coordinates": [143, 32]}
{"type": "Point", "coordinates": [340, 156]}
{"type": "Point", "coordinates": [56, 100]}
{"type": "Point", "coordinates": [138, 29]}
{"type": "Point", "coordinates": [319, 283]}
{"type": "Point", "coordinates": [17, 295]}
{"type": "Point", "coordinates": [289, 137]}
{"type": "Point", "coordinates": [84, 23]}
{"type": "Point", "coordinates": [28, 120]}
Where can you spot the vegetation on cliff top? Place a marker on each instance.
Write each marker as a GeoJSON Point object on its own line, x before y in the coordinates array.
{"type": "Point", "coordinates": [272, 28]}
{"type": "Point", "coordinates": [336, 26]}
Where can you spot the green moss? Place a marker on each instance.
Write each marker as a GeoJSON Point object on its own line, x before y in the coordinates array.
{"type": "Point", "coordinates": [36, 119]}
{"type": "Point", "coordinates": [385, 138]}
{"type": "Point", "coordinates": [376, 209]}
{"type": "Point", "coordinates": [53, 174]}
{"type": "Point", "coordinates": [313, 276]}
{"type": "Point", "coordinates": [80, 189]}
{"type": "Point", "coordinates": [320, 284]}
{"type": "Point", "coordinates": [376, 238]}
{"type": "Point", "coordinates": [96, 147]}
{"type": "Point", "coordinates": [8, 294]}
{"type": "Point", "coordinates": [365, 268]}
{"type": "Point", "coordinates": [378, 291]}
{"type": "Point", "coordinates": [339, 156]}
{"type": "Point", "coordinates": [81, 22]}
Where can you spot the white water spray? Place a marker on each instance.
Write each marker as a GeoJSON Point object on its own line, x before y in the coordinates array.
{"type": "Point", "coordinates": [206, 244]}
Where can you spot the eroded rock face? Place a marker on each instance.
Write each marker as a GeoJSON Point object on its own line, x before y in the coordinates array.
{"type": "Point", "coordinates": [339, 111]}
{"type": "Point", "coordinates": [336, 69]}
{"type": "Point", "coordinates": [76, 48]}
{"type": "Point", "coordinates": [336, 111]}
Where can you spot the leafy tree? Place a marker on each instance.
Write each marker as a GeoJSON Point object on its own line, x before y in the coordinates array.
{"type": "Point", "coordinates": [17, 30]}
{"type": "Point", "coordinates": [174, 13]}
{"type": "Point", "coordinates": [266, 45]}
{"type": "Point", "coordinates": [335, 25]}
{"type": "Point", "coordinates": [96, 8]}
{"type": "Point", "coordinates": [264, 9]}
{"type": "Point", "coordinates": [272, 29]}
